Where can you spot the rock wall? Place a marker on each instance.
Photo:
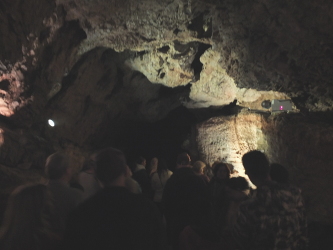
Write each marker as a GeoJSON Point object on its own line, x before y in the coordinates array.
{"type": "Point", "coordinates": [304, 147]}
{"type": "Point", "coordinates": [228, 138]}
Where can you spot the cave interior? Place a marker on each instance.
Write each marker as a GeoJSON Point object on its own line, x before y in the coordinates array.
{"type": "Point", "coordinates": [156, 78]}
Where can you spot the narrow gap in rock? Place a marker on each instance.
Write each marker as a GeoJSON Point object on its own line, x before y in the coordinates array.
{"type": "Point", "coordinates": [165, 92]}
{"type": "Point", "coordinates": [176, 31]}
{"type": "Point", "coordinates": [164, 49]}
{"type": "Point", "coordinates": [196, 65]}
{"type": "Point", "coordinates": [201, 25]}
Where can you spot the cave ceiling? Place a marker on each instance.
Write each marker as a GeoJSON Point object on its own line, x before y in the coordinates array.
{"type": "Point", "coordinates": [91, 64]}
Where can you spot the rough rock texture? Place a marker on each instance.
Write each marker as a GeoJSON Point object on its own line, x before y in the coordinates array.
{"type": "Point", "coordinates": [259, 45]}
{"type": "Point", "coordinates": [169, 65]}
{"type": "Point", "coordinates": [301, 144]}
{"type": "Point", "coordinates": [217, 88]}
{"type": "Point", "coordinates": [227, 138]}
{"type": "Point", "coordinates": [102, 92]}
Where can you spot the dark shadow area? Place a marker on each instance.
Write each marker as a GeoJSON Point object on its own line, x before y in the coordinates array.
{"type": "Point", "coordinates": [201, 25]}
{"type": "Point", "coordinates": [196, 65]}
{"type": "Point", "coordinates": [166, 92]}
{"type": "Point", "coordinates": [203, 114]}
{"type": "Point", "coordinates": [162, 139]}
{"type": "Point", "coordinates": [4, 85]}
{"type": "Point", "coordinates": [164, 49]}
{"type": "Point", "coordinates": [320, 236]}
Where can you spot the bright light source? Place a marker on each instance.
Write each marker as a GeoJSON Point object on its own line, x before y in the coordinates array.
{"type": "Point", "coordinates": [281, 107]}
{"type": "Point", "coordinates": [51, 123]}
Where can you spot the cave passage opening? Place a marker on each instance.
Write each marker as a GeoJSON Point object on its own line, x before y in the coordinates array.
{"type": "Point", "coordinates": [165, 138]}
{"type": "Point", "coordinates": [162, 139]}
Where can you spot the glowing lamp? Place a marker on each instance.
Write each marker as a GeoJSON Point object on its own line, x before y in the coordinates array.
{"type": "Point", "coordinates": [51, 123]}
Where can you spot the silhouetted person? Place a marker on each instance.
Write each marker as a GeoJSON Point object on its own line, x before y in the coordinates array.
{"type": "Point", "coordinates": [183, 197]}
{"type": "Point", "coordinates": [158, 182]}
{"type": "Point", "coordinates": [275, 217]}
{"type": "Point", "coordinates": [279, 173]}
{"type": "Point", "coordinates": [237, 191]}
{"type": "Point", "coordinates": [141, 176]}
{"type": "Point", "coordinates": [217, 193]}
{"type": "Point", "coordinates": [59, 171]}
{"type": "Point", "coordinates": [114, 218]}
{"type": "Point", "coordinates": [198, 169]}
{"type": "Point", "coordinates": [88, 180]}
{"type": "Point", "coordinates": [28, 220]}
{"type": "Point", "coordinates": [153, 166]}
{"type": "Point", "coordinates": [132, 185]}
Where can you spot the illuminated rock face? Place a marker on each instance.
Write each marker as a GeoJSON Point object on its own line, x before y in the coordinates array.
{"type": "Point", "coordinates": [249, 50]}
{"type": "Point", "coordinates": [292, 140]}
{"type": "Point", "coordinates": [229, 138]}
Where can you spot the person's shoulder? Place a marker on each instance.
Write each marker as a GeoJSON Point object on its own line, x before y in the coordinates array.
{"type": "Point", "coordinates": [154, 175]}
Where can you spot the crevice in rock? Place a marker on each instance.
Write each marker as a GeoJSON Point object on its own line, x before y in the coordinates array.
{"type": "Point", "coordinates": [141, 54]}
{"type": "Point", "coordinates": [203, 114]}
{"type": "Point", "coordinates": [176, 31]}
{"type": "Point", "coordinates": [202, 25]}
{"type": "Point", "coordinates": [45, 33]}
{"type": "Point", "coordinates": [165, 92]}
{"type": "Point", "coordinates": [4, 85]}
{"type": "Point", "coordinates": [196, 65]}
{"type": "Point", "coordinates": [183, 48]}
{"type": "Point", "coordinates": [164, 49]}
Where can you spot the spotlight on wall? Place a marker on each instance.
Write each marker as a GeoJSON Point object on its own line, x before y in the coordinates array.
{"type": "Point", "coordinates": [51, 122]}
{"type": "Point", "coordinates": [266, 104]}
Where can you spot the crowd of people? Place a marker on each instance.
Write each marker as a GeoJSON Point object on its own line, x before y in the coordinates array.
{"type": "Point", "coordinates": [119, 203]}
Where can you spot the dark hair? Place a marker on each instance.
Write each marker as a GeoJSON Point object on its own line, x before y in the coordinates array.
{"type": "Point", "coordinates": [183, 159]}
{"type": "Point", "coordinates": [256, 163]}
{"type": "Point", "coordinates": [219, 165]}
{"type": "Point", "coordinates": [238, 183]}
{"type": "Point", "coordinates": [279, 173]}
{"type": "Point", "coordinates": [140, 160]}
{"type": "Point", "coordinates": [57, 165]}
{"type": "Point", "coordinates": [110, 164]}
